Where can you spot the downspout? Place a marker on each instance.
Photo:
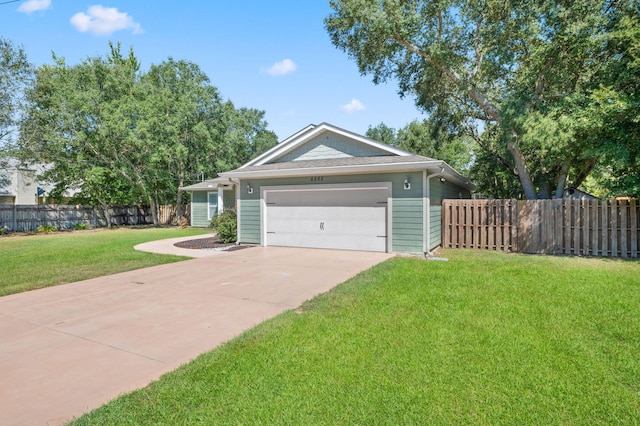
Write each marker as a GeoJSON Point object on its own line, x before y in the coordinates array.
{"type": "Point", "coordinates": [426, 188]}
{"type": "Point", "coordinates": [236, 187]}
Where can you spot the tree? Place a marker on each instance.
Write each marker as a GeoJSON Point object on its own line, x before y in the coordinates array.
{"type": "Point", "coordinates": [15, 74]}
{"type": "Point", "coordinates": [428, 138]}
{"type": "Point", "coordinates": [382, 133]}
{"type": "Point", "coordinates": [87, 117]}
{"type": "Point", "coordinates": [522, 72]}
{"type": "Point", "coordinates": [617, 104]}
{"type": "Point", "coordinates": [177, 113]}
{"type": "Point", "coordinates": [122, 134]}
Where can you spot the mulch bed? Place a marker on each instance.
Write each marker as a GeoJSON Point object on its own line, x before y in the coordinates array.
{"type": "Point", "coordinates": [209, 243]}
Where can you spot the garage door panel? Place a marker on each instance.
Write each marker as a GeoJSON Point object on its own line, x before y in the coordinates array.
{"type": "Point", "coordinates": [326, 213]}
{"type": "Point", "coordinates": [328, 198]}
{"type": "Point", "coordinates": [344, 242]}
{"type": "Point", "coordinates": [354, 219]}
{"type": "Point", "coordinates": [327, 227]}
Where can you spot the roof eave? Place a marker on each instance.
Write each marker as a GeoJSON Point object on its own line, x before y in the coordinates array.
{"type": "Point", "coordinates": [434, 167]}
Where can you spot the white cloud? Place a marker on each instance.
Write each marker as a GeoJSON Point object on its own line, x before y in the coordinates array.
{"type": "Point", "coordinates": [102, 20]}
{"type": "Point", "coordinates": [31, 6]}
{"type": "Point", "coordinates": [353, 106]}
{"type": "Point", "coordinates": [283, 67]}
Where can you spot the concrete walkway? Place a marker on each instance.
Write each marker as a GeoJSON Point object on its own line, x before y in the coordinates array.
{"type": "Point", "coordinates": [68, 349]}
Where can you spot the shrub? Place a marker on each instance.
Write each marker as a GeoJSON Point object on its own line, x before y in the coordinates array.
{"type": "Point", "coordinates": [4, 230]}
{"type": "Point", "coordinates": [46, 228]}
{"type": "Point", "coordinates": [80, 227]}
{"type": "Point", "coordinates": [225, 225]}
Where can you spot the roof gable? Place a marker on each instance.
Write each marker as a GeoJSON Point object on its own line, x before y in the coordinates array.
{"type": "Point", "coordinates": [324, 141]}
{"type": "Point", "coordinates": [329, 145]}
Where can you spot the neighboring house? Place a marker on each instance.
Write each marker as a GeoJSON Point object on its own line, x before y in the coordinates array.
{"type": "Point", "coordinates": [21, 184]}
{"type": "Point", "coordinates": [576, 194]}
{"type": "Point", "coordinates": [18, 184]}
{"type": "Point", "coordinates": [326, 187]}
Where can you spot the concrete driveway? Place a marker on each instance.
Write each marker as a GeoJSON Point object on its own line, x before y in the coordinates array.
{"type": "Point", "coordinates": [66, 350]}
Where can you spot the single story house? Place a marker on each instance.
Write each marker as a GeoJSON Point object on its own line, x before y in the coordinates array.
{"type": "Point", "coordinates": [326, 187]}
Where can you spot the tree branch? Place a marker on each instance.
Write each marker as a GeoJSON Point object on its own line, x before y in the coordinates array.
{"type": "Point", "coordinates": [487, 148]}
{"type": "Point", "coordinates": [482, 101]}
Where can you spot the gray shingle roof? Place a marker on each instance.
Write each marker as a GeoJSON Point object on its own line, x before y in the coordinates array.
{"type": "Point", "coordinates": [336, 162]}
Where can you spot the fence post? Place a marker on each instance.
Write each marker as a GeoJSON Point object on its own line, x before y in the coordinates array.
{"type": "Point", "coordinates": [633, 214]}
{"type": "Point", "coordinates": [623, 228]}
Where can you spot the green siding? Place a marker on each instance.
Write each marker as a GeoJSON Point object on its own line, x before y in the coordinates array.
{"type": "Point", "coordinates": [407, 217]}
{"type": "Point", "coordinates": [199, 208]}
{"type": "Point", "coordinates": [439, 192]}
{"type": "Point", "coordinates": [331, 145]}
{"type": "Point", "coordinates": [249, 221]}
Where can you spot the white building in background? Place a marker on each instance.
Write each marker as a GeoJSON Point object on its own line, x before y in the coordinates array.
{"type": "Point", "coordinates": [21, 184]}
{"type": "Point", "coordinates": [18, 183]}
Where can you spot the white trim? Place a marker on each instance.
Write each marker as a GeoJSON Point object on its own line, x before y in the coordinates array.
{"type": "Point", "coordinates": [209, 217]}
{"type": "Point", "coordinates": [191, 208]}
{"type": "Point", "coordinates": [307, 134]}
{"type": "Point", "coordinates": [434, 166]}
{"type": "Point", "coordinates": [387, 186]}
{"type": "Point", "coordinates": [220, 199]}
{"type": "Point", "coordinates": [237, 189]}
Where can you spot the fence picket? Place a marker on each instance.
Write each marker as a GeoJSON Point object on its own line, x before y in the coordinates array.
{"type": "Point", "coordinates": [576, 227]}
{"type": "Point", "coordinates": [24, 218]}
{"type": "Point", "coordinates": [633, 227]}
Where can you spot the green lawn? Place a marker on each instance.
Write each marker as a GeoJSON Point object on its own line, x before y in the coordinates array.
{"type": "Point", "coordinates": [35, 261]}
{"type": "Point", "coordinates": [486, 338]}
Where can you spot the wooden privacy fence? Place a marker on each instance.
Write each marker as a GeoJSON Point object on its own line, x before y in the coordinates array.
{"type": "Point", "coordinates": [24, 218]}
{"type": "Point", "coordinates": [607, 228]}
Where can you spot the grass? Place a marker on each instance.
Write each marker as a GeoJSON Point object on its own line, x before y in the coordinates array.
{"type": "Point", "coordinates": [486, 338]}
{"type": "Point", "coordinates": [35, 261]}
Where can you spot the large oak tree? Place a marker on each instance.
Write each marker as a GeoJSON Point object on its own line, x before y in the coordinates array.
{"type": "Point", "coordinates": [524, 78]}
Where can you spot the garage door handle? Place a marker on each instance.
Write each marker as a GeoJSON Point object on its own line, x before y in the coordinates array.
{"type": "Point", "coordinates": [322, 226]}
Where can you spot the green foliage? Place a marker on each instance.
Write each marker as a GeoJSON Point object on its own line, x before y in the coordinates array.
{"type": "Point", "coordinates": [46, 229]}
{"type": "Point", "coordinates": [123, 135]}
{"type": "Point", "coordinates": [428, 138]}
{"type": "Point", "coordinates": [39, 261]}
{"type": "Point", "coordinates": [382, 133]}
{"type": "Point", "coordinates": [80, 227]}
{"type": "Point", "coordinates": [16, 73]}
{"type": "Point", "coordinates": [548, 90]}
{"type": "Point", "coordinates": [225, 225]}
{"type": "Point", "coordinates": [484, 339]}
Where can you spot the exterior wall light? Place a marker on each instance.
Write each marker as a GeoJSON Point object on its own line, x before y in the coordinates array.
{"type": "Point", "coordinates": [443, 180]}
{"type": "Point", "coordinates": [249, 189]}
{"type": "Point", "coordinates": [407, 184]}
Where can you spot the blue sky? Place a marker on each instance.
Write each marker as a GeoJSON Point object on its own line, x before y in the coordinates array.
{"type": "Point", "coordinates": [272, 55]}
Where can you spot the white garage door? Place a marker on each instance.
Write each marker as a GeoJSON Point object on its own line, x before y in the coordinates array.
{"type": "Point", "coordinates": [335, 218]}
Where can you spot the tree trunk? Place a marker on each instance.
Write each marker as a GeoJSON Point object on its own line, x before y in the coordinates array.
{"type": "Point", "coordinates": [544, 193]}
{"type": "Point", "coordinates": [154, 210]}
{"type": "Point", "coordinates": [105, 211]}
{"type": "Point", "coordinates": [179, 199]}
{"type": "Point", "coordinates": [562, 181]}
{"type": "Point", "coordinates": [523, 173]}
